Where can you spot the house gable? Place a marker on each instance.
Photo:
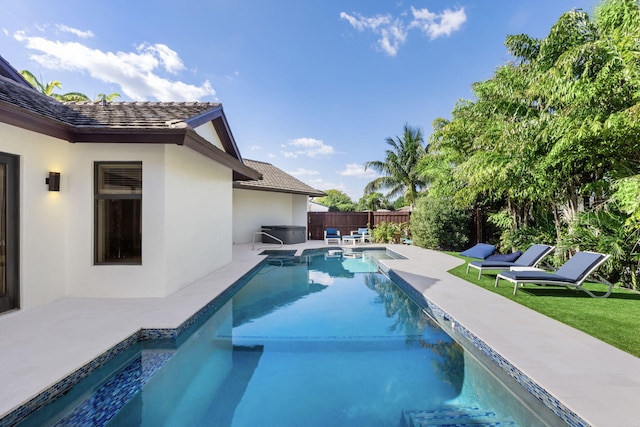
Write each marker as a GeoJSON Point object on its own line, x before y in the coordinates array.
{"type": "Point", "coordinates": [122, 122]}
{"type": "Point", "coordinates": [6, 70]}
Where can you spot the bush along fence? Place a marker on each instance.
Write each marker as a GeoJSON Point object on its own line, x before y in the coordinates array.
{"type": "Point", "coordinates": [347, 222]}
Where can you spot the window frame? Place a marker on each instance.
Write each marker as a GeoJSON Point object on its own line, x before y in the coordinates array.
{"type": "Point", "coordinates": [11, 299]}
{"type": "Point", "coordinates": [98, 197]}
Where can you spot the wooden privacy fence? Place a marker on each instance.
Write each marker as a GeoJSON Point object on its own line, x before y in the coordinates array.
{"type": "Point", "coordinates": [347, 222]}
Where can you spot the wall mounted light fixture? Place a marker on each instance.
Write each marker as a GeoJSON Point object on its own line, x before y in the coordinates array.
{"type": "Point", "coordinates": [53, 181]}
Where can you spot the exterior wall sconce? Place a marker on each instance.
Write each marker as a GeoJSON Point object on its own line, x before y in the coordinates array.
{"type": "Point", "coordinates": [53, 181]}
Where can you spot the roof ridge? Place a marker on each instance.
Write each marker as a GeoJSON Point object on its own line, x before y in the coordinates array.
{"type": "Point", "coordinates": [167, 103]}
{"type": "Point", "coordinates": [258, 161]}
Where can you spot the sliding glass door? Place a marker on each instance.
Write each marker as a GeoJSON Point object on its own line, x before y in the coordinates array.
{"type": "Point", "coordinates": [9, 282]}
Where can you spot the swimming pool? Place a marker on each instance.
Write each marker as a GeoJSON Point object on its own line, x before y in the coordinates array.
{"type": "Point", "coordinates": [324, 339]}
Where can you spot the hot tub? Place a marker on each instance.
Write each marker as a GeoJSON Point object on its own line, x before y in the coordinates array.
{"type": "Point", "coordinates": [289, 234]}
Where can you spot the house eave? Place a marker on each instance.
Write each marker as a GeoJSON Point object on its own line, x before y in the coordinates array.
{"type": "Point", "coordinates": [9, 72]}
{"type": "Point", "coordinates": [38, 123]}
{"type": "Point", "coordinates": [243, 186]}
{"type": "Point", "coordinates": [219, 121]}
{"type": "Point", "coordinates": [127, 135]}
{"type": "Point", "coordinates": [241, 172]}
{"type": "Point", "coordinates": [182, 135]}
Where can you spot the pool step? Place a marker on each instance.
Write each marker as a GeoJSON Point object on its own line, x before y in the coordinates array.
{"type": "Point", "coordinates": [453, 417]}
{"type": "Point", "coordinates": [283, 260]}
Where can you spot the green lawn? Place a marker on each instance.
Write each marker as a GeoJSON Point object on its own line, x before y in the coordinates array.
{"type": "Point", "coordinates": [615, 320]}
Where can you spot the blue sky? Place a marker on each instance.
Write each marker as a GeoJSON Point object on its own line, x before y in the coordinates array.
{"type": "Point", "coordinates": [313, 87]}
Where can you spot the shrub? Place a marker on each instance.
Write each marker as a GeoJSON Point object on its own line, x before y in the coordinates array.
{"type": "Point", "coordinates": [604, 231]}
{"type": "Point", "coordinates": [386, 232]}
{"type": "Point", "coordinates": [512, 238]}
{"type": "Point", "coordinates": [438, 224]}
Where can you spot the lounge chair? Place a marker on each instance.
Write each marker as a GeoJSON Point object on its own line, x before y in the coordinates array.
{"type": "Point", "coordinates": [362, 234]}
{"type": "Point", "coordinates": [529, 258]}
{"type": "Point", "coordinates": [332, 235]}
{"type": "Point", "coordinates": [571, 274]}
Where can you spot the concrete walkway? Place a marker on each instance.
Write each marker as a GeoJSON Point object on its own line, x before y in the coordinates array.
{"type": "Point", "coordinates": [595, 380]}
{"type": "Point", "coordinates": [600, 383]}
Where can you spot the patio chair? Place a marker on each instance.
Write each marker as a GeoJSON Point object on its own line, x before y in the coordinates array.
{"type": "Point", "coordinates": [571, 274]}
{"type": "Point", "coordinates": [363, 233]}
{"type": "Point", "coordinates": [332, 235]}
{"type": "Point", "coordinates": [529, 258]}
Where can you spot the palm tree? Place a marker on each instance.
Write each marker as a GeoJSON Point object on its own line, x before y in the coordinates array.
{"type": "Point", "coordinates": [48, 88]}
{"type": "Point", "coordinates": [399, 168]}
{"type": "Point", "coordinates": [372, 202]}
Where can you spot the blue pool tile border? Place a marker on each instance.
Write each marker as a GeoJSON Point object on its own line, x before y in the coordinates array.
{"type": "Point", "coordinates": [558, 408]}
{"type": "Point", "coordinates": [100, 408]}
{"type": "Point", "coordinates": [62, 387]}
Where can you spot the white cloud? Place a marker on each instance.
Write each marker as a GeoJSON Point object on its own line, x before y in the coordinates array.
{"type": "Point", "coordinates": [320, 277]}
{"type": "Point", "coordinates": [168, 57]}
{"type": "Point", "coordinates": [75, 31]}
{"type": "Point", "coordinates": [304, 172]}
{"type": "Point", "coordinates": [321, 184]}
{"type": "Point", "coordinates": [393, 32]}
{"type": "Point", "coordinates": [309, 147]}
{"type": "Point", "coordinates": [255, 148]}
{"type": "Point", "coordinates": [357, 170]}
{"type": "Point", "coordinates": [135, 72]}
{"type": "Point", "coordinates": [361, 23]}
{"type": "Point", "coordinates": [436, 25]}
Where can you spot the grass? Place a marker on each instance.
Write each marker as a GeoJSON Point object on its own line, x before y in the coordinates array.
{"type": "Point", "coordinates": [614, 320]}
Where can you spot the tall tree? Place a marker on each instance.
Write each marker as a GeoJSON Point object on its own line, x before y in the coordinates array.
{"type": "Point", "coordinates": [558, 123]}
{"type": "Point", "coordinates": [400, 172]}
{"type": "Point", "coordinates": [336, 200]}
{"type": "Point", "coordinates": [372, 202]}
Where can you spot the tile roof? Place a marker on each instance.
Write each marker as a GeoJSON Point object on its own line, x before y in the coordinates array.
{"type": "Point", "coordinates": [31, 100]}
{"type": "Point", "coordinates": [140, 115]}
{"type": "Point", "coordinates": [274, 179]}
{"type": "Point", "coordinates": [121, 122]}
{"type": "Point", "coordinates": [113, 115]}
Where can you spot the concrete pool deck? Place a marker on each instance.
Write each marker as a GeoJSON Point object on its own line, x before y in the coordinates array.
{"type": "Point", "coordinates": [595, 380]}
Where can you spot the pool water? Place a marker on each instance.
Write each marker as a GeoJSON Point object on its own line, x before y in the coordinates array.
{"type": "Point", "coordinates": [327, 340]}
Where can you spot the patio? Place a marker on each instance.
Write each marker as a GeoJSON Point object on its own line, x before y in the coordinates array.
{"type": "Point", "coordinates": [593, 379]}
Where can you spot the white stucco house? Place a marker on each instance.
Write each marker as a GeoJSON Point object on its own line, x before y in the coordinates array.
{"type": "Point", "coordinates": [127, 199]}
{"type": "Point", "coordinates": [317, 207]}
{"type": "Point", "coordinates": [278, 199]}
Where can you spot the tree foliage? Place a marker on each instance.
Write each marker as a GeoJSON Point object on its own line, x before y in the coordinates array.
{"type": "Point", "coordinates": [551, 143]}
{"type": "Point", "coordinates": [336, 201]}
{"type": "Point", "coordinates": [49, 87]}
{"type": "Point", "coordinates": [373, 202]}
{"type": "Point", "coordinates": [400, 172]}
{"type": "Point", "coordinates": [438, 224]}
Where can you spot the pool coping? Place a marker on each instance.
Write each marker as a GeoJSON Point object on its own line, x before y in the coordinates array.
{"type": "Point", "coordinates": [418, 275]}
{"type": "Point", "coordinates": [63, 386]}
{"type": "Point", "coordinates": [448, 322]}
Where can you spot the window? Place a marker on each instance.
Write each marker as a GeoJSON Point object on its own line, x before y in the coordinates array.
{"type": "Point", "coordinates": [118, 212]}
